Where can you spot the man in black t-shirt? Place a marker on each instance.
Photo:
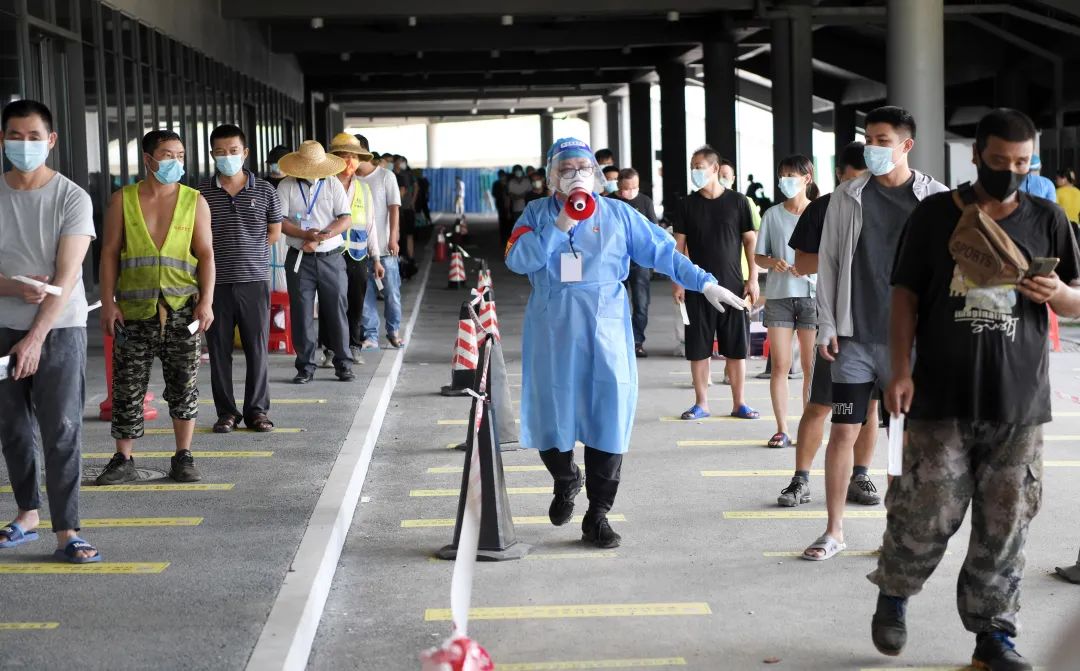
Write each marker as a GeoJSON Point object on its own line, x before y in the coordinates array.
{"type": "Point", "coordinates": [977, 397]}
{"type": "Point", "coordinates": [805, 240]}
{"type": "Point", "coordinates": [637, 282]}
{"type": "Point", "coordinates": [714, 228]}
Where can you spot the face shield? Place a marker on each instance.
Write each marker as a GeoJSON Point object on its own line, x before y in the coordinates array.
{"type": "Point", "coordinates": [571, 165]}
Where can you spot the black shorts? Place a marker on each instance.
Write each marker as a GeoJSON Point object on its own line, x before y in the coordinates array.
{"type": "Point", "coordinates": [407, 221]}
{"type": "Point", "coordinates": [730, 329]}
{"type": "Point", "coordinates": [821, 386]}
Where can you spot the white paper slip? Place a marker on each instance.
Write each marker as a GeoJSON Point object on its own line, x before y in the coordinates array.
{"type": "Point", "coordinates": [685, 317]}
{"type": "Point", "coordinates": [5, 367]}
{"type": "Point", "coordinates": [296, 266]}
{"type": "Point", "coordinates": [896, 444]}
{"type": "Point", "coordinates": [49, 288]}
{"type": "Point", "coordinates": [193, 327]}
{"type": "Point", "coordinates": [95, 306]}
{"type": "Point", "coordinates": [378, 283]}
{"type": "Point", "coordinates": [571, 267]}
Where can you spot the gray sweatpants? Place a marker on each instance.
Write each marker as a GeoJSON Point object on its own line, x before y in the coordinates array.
{"type": "Point", "coordinates": [322, 275]}
{"type": "Point", "coordinates": [51, 401]}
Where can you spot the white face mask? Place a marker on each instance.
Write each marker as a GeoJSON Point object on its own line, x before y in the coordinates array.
{"type": "Point", "coordinates": [791, 186]}
{"type": "Point", "coordinates": [699, 177]}
{"type": "Point", "coordinates": [630, 194]}
{"type": "Point", "coordinates": [727, 183]}
{"type": "Point", "coordinates": [566, 185]}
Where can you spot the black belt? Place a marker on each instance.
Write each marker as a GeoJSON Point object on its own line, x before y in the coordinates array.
{"type": "Point", "coordinates": [339, 250]}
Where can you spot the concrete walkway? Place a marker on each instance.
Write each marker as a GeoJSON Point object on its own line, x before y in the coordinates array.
{"type": "Point", "coordinates": [707, 577]}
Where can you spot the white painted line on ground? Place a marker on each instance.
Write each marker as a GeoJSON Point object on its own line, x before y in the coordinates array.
{"type": "Point", "coordinates": [289, 632]}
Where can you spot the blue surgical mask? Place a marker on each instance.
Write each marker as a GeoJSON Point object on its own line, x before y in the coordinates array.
{"type": "Point", "coordinates": [699, 178]}
{"type": "Point", "coordinates": [274, 169]}
{"type": "Point", "coordinates": [26, 155]}
{"type": "Point", "coordinates": [878, 159]}
{"type": "Point", "coordinates": [229, 165]}
{"type": "Point", "coordinates": [791, 186]}
{"type": "Point", "coordinates": [169, 171]}
{"type": "Point", "coordinates": [610, 186]}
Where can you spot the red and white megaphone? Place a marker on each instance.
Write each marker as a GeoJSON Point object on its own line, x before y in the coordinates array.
{"type": "Point", "coordinates": [580, 204]}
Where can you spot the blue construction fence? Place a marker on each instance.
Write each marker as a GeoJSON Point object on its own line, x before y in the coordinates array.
{"type": "Point", "coordinates": [478, 183]}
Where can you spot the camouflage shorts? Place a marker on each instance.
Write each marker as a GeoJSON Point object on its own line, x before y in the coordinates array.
{"type": "Point", "coordinates": [997, 469]}
{"type": "Point", "coordinates": [133, 358]}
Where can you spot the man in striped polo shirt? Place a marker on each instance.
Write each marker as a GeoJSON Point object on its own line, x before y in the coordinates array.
{"type": "Point", "coordinates": [245, 215]}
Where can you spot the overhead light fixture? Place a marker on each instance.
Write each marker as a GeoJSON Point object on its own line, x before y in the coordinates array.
{"type": "Point", "coordinates": [474, 111]}
{"type": "Point", "coordinates": [672, 16]}
{"type": "Point", "coordinates": [507, 19]}
{"type": "Point", "coordinates": [550, 110]}
{"type": "Point", "coordinates": [345, 56]}
{"type": "Point", "coordinates": [317, 23]}
{"type": "Point", "coordinates": [512, 110]}
{"type": "Point", "coordinates": [412, 21]}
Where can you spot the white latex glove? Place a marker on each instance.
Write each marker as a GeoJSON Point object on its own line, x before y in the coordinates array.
{"type": "Point", "coordinates": [719, 297]}
{"type": "Point", "coordinates": [564, 222]}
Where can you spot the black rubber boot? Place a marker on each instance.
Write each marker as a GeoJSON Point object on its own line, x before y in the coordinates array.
{"type": "Point", "coordinates": [889, 626]}
{"type": "Point", "coordinates": [994, 651]}
{"type": "Point", "coordinates": [602, 473]}
{"type": "Point", "coordinates": [568, 481]}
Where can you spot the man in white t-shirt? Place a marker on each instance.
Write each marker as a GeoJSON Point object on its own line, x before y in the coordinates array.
{"type": "Point", "coordinates": [386, 205]}
{"type": "Point", "coordinates": [46, 225]}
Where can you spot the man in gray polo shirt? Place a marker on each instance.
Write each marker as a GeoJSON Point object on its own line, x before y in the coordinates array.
{"type": "Point", "coordinates": [862, 229]}
{"type": "Point", "coordinates": [46, 225]}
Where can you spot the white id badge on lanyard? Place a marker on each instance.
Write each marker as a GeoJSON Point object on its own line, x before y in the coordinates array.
{"type": "Point", "coordinates": [571, 267]}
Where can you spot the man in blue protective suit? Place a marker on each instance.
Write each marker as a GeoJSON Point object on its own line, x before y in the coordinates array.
{"type": "Point", "coordinates": [579, 374]}
{"type": "Point", "coordinates": [1036, 184]}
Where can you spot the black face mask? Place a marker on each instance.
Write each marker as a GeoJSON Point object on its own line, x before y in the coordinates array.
{"type": "Point", "coordinates": [1000, 184]}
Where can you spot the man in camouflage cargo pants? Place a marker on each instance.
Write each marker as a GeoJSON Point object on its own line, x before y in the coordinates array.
{"type": "Point", "coordinates": [978, 396]}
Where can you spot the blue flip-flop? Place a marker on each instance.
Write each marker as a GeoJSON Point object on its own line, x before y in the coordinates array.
{"type": "Point", "coordinates": [74, 545]}
{"type": "Point", "coordinates": [695, 412]}
{"type": "Point", "coordinates": [16, 536]}
{"type": "Point", "coordinates": [746, 412]}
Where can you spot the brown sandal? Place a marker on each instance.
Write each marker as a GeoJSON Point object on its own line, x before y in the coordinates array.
{"type": "Point", "coordinates": [225, 424]}
{"type": "Point", "coordinates": [260, 424]}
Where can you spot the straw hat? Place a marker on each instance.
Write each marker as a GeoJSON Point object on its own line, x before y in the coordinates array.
{"type": "Point", "coordinates": [310, 162]}
{"type": "Point", "coordinates": [343, 142]}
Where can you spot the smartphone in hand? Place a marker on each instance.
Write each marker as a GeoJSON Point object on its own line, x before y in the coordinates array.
{"type": "Point", "coordinates": [1042, 265]}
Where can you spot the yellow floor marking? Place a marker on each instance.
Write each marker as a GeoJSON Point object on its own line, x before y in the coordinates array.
{"type": "Point", "coordinates": [845, 553]}
{"type": "Point", "coordinates": [462, 422]}
{"type": "Point", "coordinates": [117, 522]}
{"type": "Point", "coordinates": [720, 418]}
{"type": "Point", "coordinates": [42, 568]}
{"type": "Point", "coordinates": [179, 487]}
{"type": "Point", "coordinates": [797, 514]}
{"type": "Point", "coordinates": [162, 431]}
{"type": "Point", "coordinates": [907, 668]}
{"type": "Point", "coordinates": [200, 454]}
{"type": "Point", "coordinates": [719, 443]}
{"type": "Point", "coordinates": [27, 626]}
{"type": "Point", "coordinates": [1067, 413]}
{"type": "Point", "coordinates": [456, 491]}
{"type": "Point", "coordinates": [531, 468]}
{"type": "Point", "coordinates": [277, 401]}
{"type": "Point", "coordinates": [571, 555]}
{"type": "Point", "coordinates": [771, 473]}
{"type": "Point", "coordinates": [650, 663]}
{"type": "Point", "coordinates": [585, 610]}
{"type": "Point", "coordinates": [1060, 438]}
{"type": "Point", "coordinates": [1062, 464]}
{"type": "Point", "coordinates": [533, 519]}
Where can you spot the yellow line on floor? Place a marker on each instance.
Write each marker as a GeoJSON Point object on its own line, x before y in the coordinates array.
{"type": "Point", "coordinates": [719, 418]}
{"type": "Point", "coordinates": [533, 519]}
{"type": "Point", "coordinates": [908, 668]}
{"type": "Point", "coordinates": [27, 626]}
{"type": "Point", "coordinates": [771, 473]}
{"type": "Point", "coordinates": [178, 487]}
{"type": "Point", "coordinates": [650, 663]}
{"type": "Point", "coordinates": [1060, 438]}
{"type": "Point", "coordinates": [570, 555]}
{"type": "Point", "coordinates": [574, 611]}
{"type": "Point", "coordinates": [55, 568]}
{"type": "Point", "coordinates": [1061, 464]}
{"type": "Point", "coordinates": [1067, 413]}
{"type": "Point", "coordinates": [121, 522]}
{"type": "Point", "coordinates": [206, 454]}
{"type": "Point", "coordinates": [455, 491]}
{"type": "Point", "coordinates": [845, 553]}
{"type": "Point", "coordinates": [277, 401]}
{"type": "Point", "coordinates": [797, 514]}
{"type": "Point", "coordinates": [162, 431]}
{"type": "Point", "coordinates": [530, 468]}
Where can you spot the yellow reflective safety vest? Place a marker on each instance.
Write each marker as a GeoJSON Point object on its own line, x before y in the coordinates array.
{"type": "Point", "coordinates": [356, 239]}
{"type": "Point", "coordinates": [147, 273]}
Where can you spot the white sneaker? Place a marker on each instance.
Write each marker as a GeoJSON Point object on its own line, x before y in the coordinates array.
{"type": "Point", "coordinates": [357, 359]}
{"type": "Point", "coordinates": [370, 345]}
{"type": "Point", "coordinates": [327, 359]}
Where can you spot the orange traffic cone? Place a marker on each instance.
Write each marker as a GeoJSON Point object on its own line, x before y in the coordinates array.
{"type": "Point", "coordinates": [489, 321]}
{"type": "Point", "coordinates": [150, 413]}
{"type": "Point", "coordinates": [440, 247]}
{"type": "Point", "coordinates": [466, 351]}
{"type": "Point", "coordinates": [457, 271]}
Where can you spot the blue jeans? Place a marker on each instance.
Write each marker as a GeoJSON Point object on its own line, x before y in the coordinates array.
{"type": "Point", "coordinates": [392, 285]}
{"type": "Point", "coordinates": [637, 284]}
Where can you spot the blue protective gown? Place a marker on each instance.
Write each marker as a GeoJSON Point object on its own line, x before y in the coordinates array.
{"type": "Point", "coordinates": [579, 374]}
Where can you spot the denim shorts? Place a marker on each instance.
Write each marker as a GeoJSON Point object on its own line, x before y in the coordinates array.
{"type": "Point", "coordinates": [791, 313]}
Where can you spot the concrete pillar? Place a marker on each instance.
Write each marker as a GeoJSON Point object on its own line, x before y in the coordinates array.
{"type": "Point", "coordinates": [792, 84]}
{"type": "Point", "coordinates": [614, 129]}
{"type": "Point", "coordinates": [547, 135]}
{"type": "Point", "coordinates": [720, 96]}
{"type": "Point", "coordinates": [598, 131]}
{"type": "Point", "coordinates": [915, 67]}
{"type": "Point", "coordinates": [843, 127]}
{"type": "Point", "coordinates": [673, 131]}
{"type": "Point", "coordinates": [641, 151]}
{"type": "Point", "coordinates": [433, 158]}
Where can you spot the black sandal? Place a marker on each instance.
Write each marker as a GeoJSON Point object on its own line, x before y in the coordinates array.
{"type": "Point", "coordinates": [225, 424]}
